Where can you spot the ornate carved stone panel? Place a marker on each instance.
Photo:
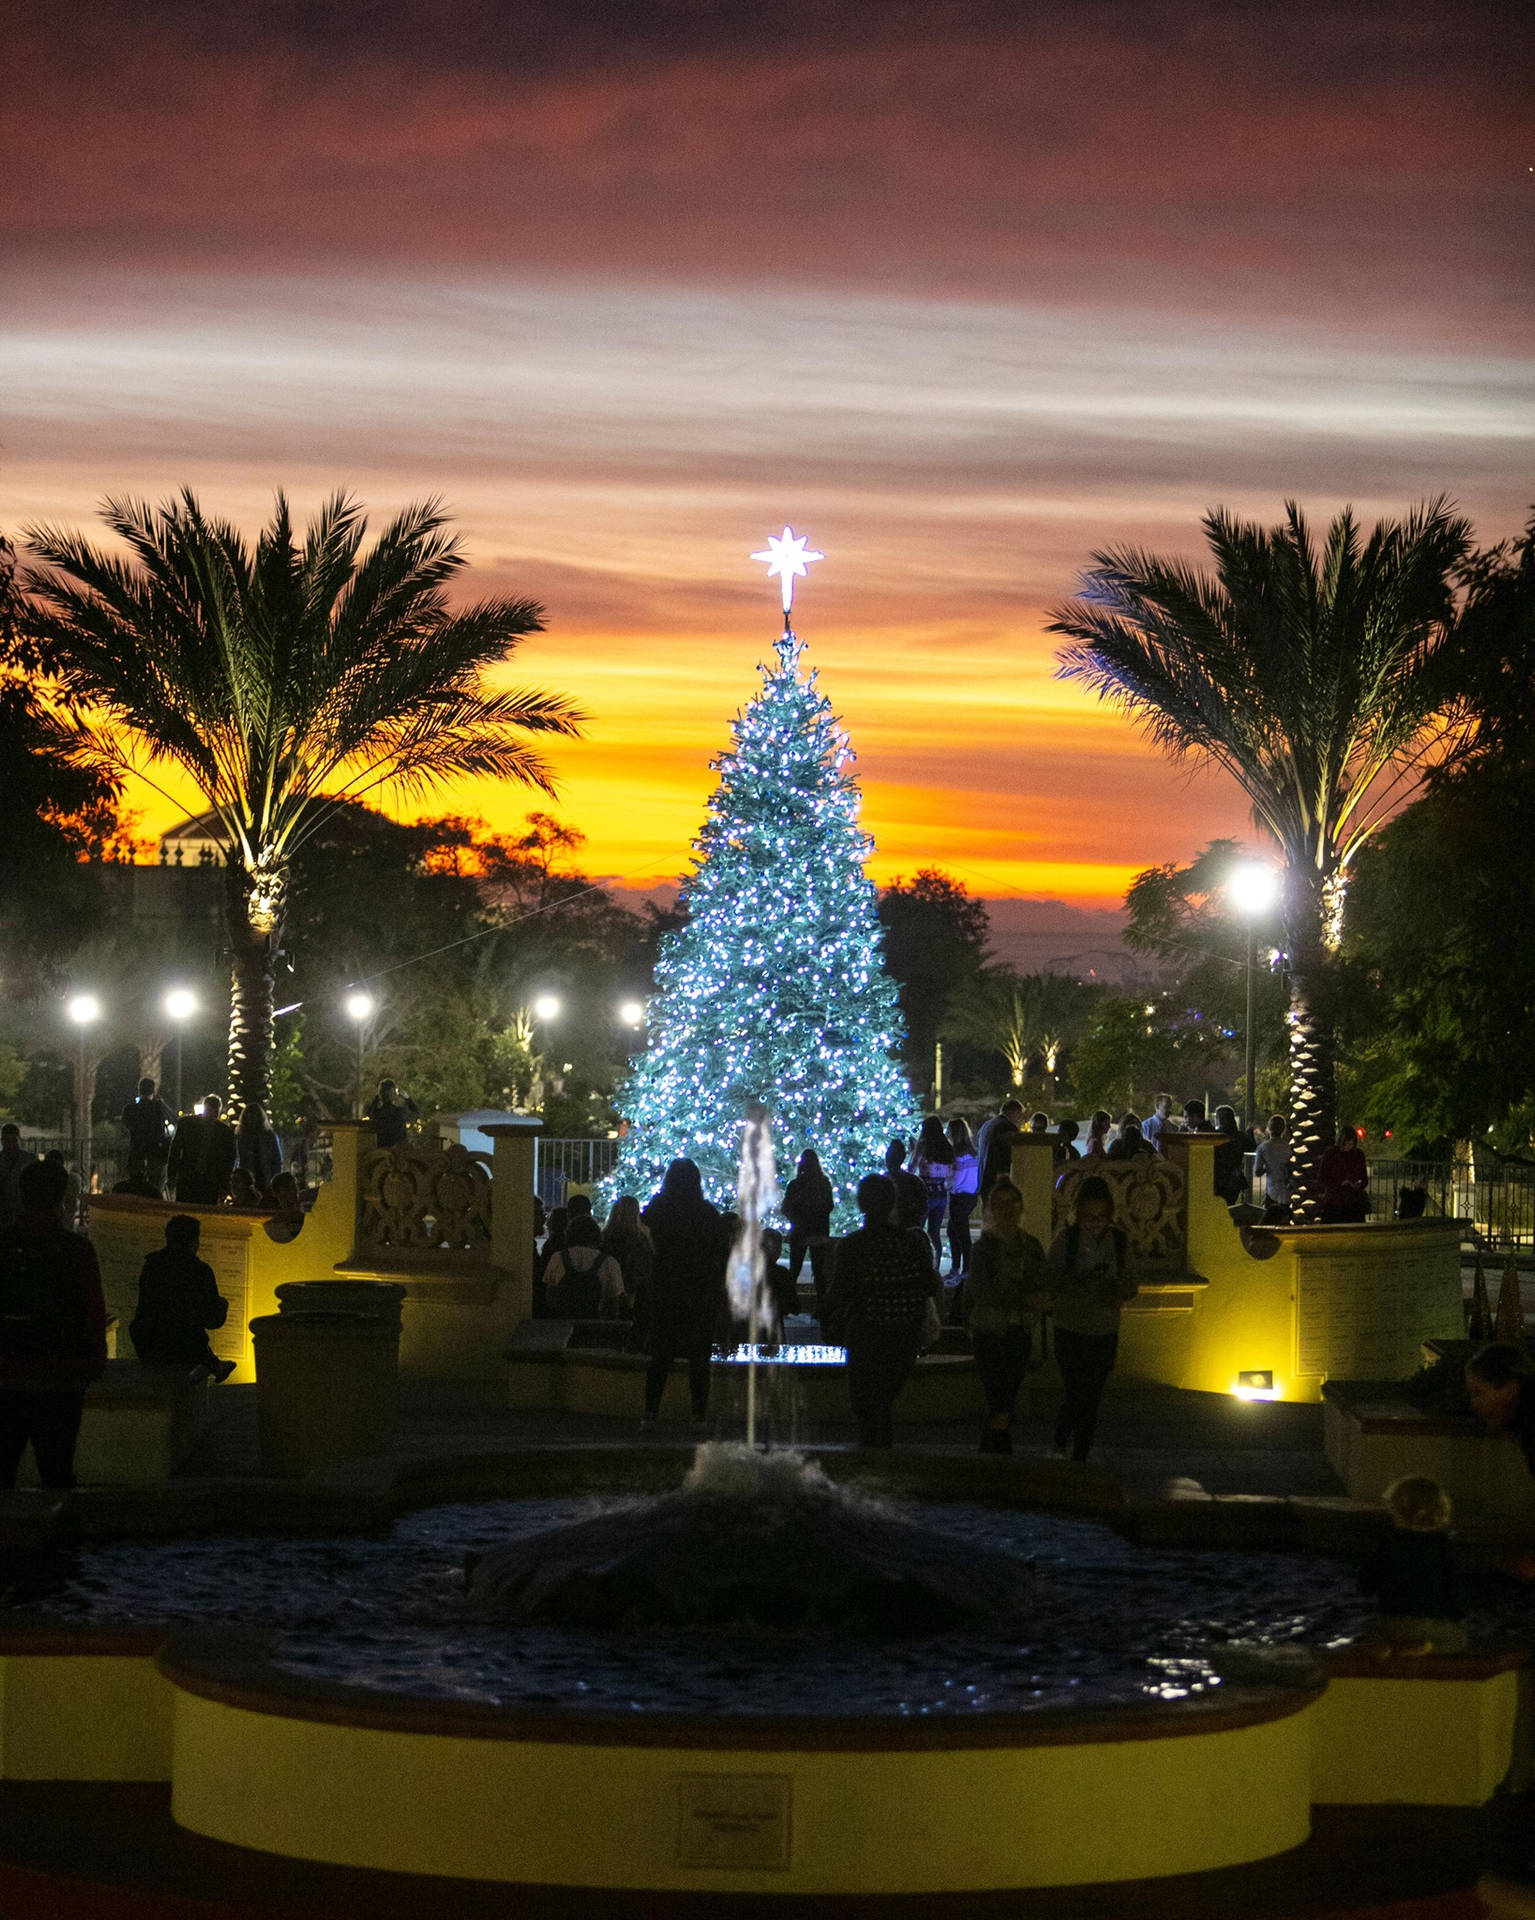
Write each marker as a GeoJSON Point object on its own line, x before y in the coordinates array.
{"type": "Point", "coordinates": [424, 1197]}
{"type": "Point", "coordinates": [1149, 1203]}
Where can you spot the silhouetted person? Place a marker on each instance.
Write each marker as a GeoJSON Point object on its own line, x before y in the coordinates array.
{"type": "Point", "coordinates": [994, 1145]}
{"type": "Point", "coordinates": [179, 1303]}
{"type": "Point", "coordinates": [933, 1162]}
{"type": "Point", "coordinates": [391, 1113]}
{"type": "Point", "coordinates": [1130, 1143]}
{"type": "Point", "coordinates": [1343, 1181]}
{"type": "Point", "coordinates": [1194, 1120]}
{"type": "Point", "coordinates": [1092, 1275]}
{"type": "Point", "coordinates": [53, 1331]}
{"type": "Point", "coordinates": [150, 1125]}
{"type": "Point", "coordinates": [1065, 1149]}
{"type": "Point", "coordinates": [581, 1282]}
{"type": "Point", "coordinates": [1271, 1164]}
{"type": "Point", "coordinates": [202, 1156]}
{"type": "Point", "coordinates": [807, 1206]}
{"type": "Point", "coordinates": [895, 1156]}
{"type": "Point", "coordinates": [12, 1162]}
{"type": "Point", "coordinates": [1006, 1293]}
{"type": "Point", "coordinates": [692, 1244]}
{"type": "Point", "coordinates": [257, 1149]}
{"type": "Point", "coordinates": [878, 1303]}
{"type": "Point", "coordinates": [1230, 1172]}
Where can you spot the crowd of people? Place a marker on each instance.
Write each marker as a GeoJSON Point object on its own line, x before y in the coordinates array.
{"type": "Point", "coordinates": [916, 1264]}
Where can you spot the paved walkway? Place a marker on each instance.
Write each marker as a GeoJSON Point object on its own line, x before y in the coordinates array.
{"type": "Point", "coordinates": [1148, 1435]}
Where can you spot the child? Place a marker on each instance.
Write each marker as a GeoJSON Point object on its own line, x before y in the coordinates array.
{"type": "Point", "coordinates": [1414, 1575]}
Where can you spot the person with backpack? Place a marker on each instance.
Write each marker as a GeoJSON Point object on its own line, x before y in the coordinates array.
{"type": "Point", "coordinates": [53, 1331]}
{"type": "Point", "coordinates": [179, 1304]}
{"type": "Point", "coordinates": [878, 1305]}
{"type": "Point", "coordinates": [1091, 1276]}
{"type": "Point", "coordinates": [581, 1282]}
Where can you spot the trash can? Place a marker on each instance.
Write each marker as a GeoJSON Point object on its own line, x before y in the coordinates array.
{"type": "Point", "coordinates": [326, 1386]}
{"type": "Point", "coordinates": [379, 1299]}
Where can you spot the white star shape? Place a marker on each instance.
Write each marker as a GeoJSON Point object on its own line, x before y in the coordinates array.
{"type": "Point", "coordinates": [786, 556]}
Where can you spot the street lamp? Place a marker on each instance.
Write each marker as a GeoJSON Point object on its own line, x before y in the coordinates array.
{"type": "Point", "coordinates": [180, 1005]}
{"type": "Point", "coordinates": [361, 1008]}
{"type": "Point", "coordinates": [632, 1013]}
{"type": "Point", "coordinates": [1253, 889]}
{"type": "Point", "coordinates": [84, 1009]}
{"type": "Point", "coordinates": [546, 1007]}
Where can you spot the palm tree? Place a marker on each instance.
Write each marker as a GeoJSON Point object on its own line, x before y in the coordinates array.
{"type": "Point", "coordinates": [1323, 682]}
{"type": "Point", "coordinates": [281, 681]}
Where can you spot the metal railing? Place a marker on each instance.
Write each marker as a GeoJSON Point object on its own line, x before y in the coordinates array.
{"type": "Point", "coordinates": [108, 1160]}
{"type": "Point", "coordinates": [559, 1165]}
{"type": "Point", "coordinates": [1496, 1206]}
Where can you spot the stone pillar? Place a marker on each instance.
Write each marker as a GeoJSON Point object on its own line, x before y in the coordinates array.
{"type": "Point", "coordinates": [1033, 1174]}
{"type": "Point", "coordinates": [350, 1140]}
{"type": "Point", "coordinates": [511, 1209]}
{"type": "Point", "coordinates": [1193, 1154]}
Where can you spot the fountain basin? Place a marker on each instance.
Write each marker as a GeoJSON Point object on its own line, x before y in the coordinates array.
{"type": "Point", "coordinates": [287, 1765]}
{"type": "Point", "coordinates": [265, 1752]}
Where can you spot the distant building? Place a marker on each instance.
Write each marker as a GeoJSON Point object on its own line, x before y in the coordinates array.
{"type": "Point", "coordinates": [197, 841]}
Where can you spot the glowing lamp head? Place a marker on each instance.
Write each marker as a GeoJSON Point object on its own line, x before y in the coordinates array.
{"type": "Point", "coordinates": [547, 1007]}
{"type": "Point", "coordinates": [632, 1013]}
{"type": "Point", "coordinates": [359, 1006]}
{"type": "Point", "coordinates": [1256, 1383]}
{"type": "Point", "coordinates": [1253, 888]}
{"type": "Point", "coordinates": [181, 1003]}
{"type": "Point", "coordinates": [83, 1008]}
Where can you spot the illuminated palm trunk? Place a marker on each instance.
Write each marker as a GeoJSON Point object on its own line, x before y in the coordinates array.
{"type": "Point", "coordinates": [256, 910]}
{"type": "Point", "coordinates": [1313, 1041]}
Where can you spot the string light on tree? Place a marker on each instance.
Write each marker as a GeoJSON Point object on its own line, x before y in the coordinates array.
{"type": "Point", "coordinates": [774, 989]}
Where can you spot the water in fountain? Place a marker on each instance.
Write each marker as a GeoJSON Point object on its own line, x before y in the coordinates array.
{"type": "Point", "coordinates": [752, 1538]}
{"type": "Point", "coordinates": [756, 1195]}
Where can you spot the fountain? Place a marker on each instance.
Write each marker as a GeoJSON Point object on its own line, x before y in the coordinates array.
{"type": "Point", "coordinates": [753, 1539]}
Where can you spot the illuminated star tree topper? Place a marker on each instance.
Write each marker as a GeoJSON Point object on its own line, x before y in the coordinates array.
{"type": "Point", "coordinates": [785, 555]}
{"type": "Point", "coordinates": [774, 990]}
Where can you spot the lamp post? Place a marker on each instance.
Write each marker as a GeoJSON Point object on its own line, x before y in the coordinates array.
{"type": "Point", "coordinates": [631, 1013]}
{"type": "Point", "coordinates": [360, 1007]}
{"type": "Point", "coordinates": [1253, 889]}
{"type": "Point", "coordinates": [546, 1008]}
{"type": "Point", "coordinates": [84, 1009]}
{"type": "Point", "coordinates": [180, 1005]}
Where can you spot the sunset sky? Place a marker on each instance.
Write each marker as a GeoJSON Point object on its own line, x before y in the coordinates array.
{"type": "Point", "coordinates": [961, 291]}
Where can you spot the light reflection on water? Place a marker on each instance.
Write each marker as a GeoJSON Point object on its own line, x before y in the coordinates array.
{"type": "Point", "coordinates": [1114, 1623]}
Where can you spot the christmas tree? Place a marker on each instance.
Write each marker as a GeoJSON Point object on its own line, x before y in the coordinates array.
{"type": "Point", "coordinates": [774, 989]}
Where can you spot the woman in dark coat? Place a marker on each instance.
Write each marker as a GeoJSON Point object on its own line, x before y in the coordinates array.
{"type": "Point", "coordinates": [807, 1206]}
{"type": "Point", "coordinates": [691, 1247]}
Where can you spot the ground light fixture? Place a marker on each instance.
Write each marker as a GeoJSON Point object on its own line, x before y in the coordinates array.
{"type": "Point", "coordinates": [1256, 1383]}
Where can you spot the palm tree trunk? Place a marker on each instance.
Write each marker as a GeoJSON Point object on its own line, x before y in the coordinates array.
{"type": "Point", "coordinates": [256, 911]}
{"type": "Point", "coordinates": [1313, 1092]}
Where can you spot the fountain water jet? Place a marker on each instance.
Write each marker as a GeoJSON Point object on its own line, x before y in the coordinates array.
{"type": "Point", "coordinates": [756, 1195]}
{"type": "Point", "coordinates": [753, 1539]}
